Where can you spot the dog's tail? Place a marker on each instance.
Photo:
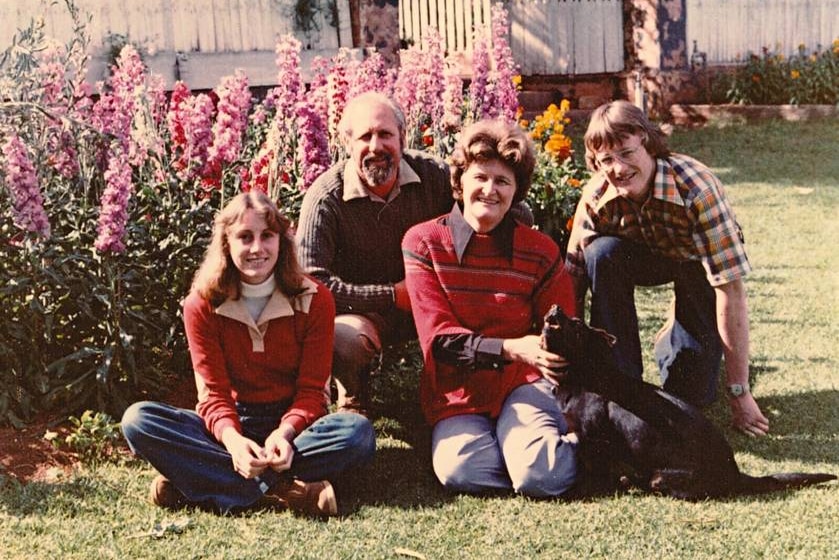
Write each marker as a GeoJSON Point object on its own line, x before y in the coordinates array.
{"type": "Point", "coordinates": [780, 481]}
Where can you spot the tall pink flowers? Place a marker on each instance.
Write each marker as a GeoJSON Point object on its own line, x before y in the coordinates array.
{"type": "Point", "coordinates": [479, 98]}
{"type": "Point", "coordinates": [22, 182]}
{"type": "Point", "coordinates": [452, 98]}
{"type": "Point", "coordinates": [234, 102]}
{"type": "Point", "coordinates": [371, 74]}
{"type": "Point", "coordinates": [113, 215]}
{"type": "Point", "coordinates": [289, 80]}
{"type": "Point", "coordinates": [337, 88]}
{"type": "Point", "coordinates": [318, 86]}
{"type": "Point", "coordinates": [190, 121]}
{"type": "Point", "coordinates": [505, 98]}
{"type": "Point", "coordinates": [313, 149]}
{"type": "Point", "coordinates": [419, 86]}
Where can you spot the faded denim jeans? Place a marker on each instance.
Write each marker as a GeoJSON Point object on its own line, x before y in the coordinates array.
{"type": "Point", "coordinates": [177, 444]}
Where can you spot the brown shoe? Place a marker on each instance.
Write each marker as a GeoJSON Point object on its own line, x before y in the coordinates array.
{"type": "Point", "coordinates": [164, 494]}
{"type": "Point", "coordinates": [311, 498]}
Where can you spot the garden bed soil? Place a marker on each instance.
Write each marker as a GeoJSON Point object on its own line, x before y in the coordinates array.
{"type": "Point", "coordinates": [27, 457]}
{"type": "Point", "coordinates": [696, 115]}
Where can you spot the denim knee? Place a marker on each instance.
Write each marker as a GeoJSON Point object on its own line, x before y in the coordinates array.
{"type": "Point", "coordinates": [360, 437]}
{"type": "Point", "coordinates": [134, 418]}
{"type": "Point", "coordinates": [604, 252]}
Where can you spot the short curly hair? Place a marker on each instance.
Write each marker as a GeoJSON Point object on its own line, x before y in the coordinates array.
{"type": "Point", "coordinates": [614, 122]}
{"type": "Point", "coordinates": [500, 140]}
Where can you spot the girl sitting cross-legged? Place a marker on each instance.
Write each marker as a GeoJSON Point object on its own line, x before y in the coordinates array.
{"type": "Point", "coordinates": [260, 337]}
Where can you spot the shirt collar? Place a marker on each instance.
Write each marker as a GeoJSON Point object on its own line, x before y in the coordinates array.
{"type": "Point", "coordinates": [278, 306]}
{"type": "Point", "coordinates": [664, 186]}
{"type": "Point", "coordinates": [462, 233]}
{"type": "Point", "coordinates": [354, 187]}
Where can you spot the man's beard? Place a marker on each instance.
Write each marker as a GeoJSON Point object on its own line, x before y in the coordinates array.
{"type": "Point", "coordinates": [374, 172]}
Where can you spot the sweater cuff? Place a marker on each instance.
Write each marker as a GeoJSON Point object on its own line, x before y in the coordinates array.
{"type": "Point", "coordinates": [224, 423]}
{"type": "Point", "coordinates": [296, 420]}
{"type": "Point", "coordinates": [488, 355]}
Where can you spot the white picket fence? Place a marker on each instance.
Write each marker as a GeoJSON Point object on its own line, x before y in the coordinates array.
{"type": "Point", "coordinates": [554, 37]}
{"type": "Point", "coordinates": [727, 30]}
{"type": "Point", "coordinates": [178, 25]}
{"type": "Point", "coordinates": [198, 41]}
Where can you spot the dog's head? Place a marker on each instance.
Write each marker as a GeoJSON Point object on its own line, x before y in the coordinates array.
{"type": "Point", "coordinates": [570, 337]}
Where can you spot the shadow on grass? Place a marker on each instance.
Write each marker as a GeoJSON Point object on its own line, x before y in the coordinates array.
{"type": "Point", "coordinates": [803, 427]}
{"type": "Point", "coordinates": [399, 477]}
{"type": "Point", "coordinates": [70, 497]}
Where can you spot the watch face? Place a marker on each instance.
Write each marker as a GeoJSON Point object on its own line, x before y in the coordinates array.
{"type": "Point", "coordinates": [735, 390]}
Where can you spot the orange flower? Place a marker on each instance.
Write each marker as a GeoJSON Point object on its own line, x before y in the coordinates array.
{"type": "Point", "coordinates": [574, 183]}
{"type": "Point", "coordinates": [795, 74]}
{"type": "Point", "coordinates": [569, 224]}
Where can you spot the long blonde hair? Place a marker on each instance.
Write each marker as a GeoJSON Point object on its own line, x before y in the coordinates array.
{"type": "Point", "coordinates": [218, 279]}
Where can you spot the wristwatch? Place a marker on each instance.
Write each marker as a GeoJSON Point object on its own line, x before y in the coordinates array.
{"type": "Point", "coordinates": [736, 389]}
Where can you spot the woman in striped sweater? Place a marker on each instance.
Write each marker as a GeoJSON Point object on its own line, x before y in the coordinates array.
{"type": "Point", "coordinates": [479, 284]}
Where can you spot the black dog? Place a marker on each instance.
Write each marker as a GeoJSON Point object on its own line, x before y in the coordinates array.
{"type": "Point", "coordinates": [631, 433]}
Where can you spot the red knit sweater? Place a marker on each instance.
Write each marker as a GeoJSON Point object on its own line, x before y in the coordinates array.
{"type": "Point", "coordinates": [486, 293]}
{"type": "Point", "coordinates": [284, 356]}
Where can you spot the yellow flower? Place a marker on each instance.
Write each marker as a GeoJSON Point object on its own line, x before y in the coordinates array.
{"type": "Point", "coordinates": [795, 74]}
{"type": "Point", "coordinates": [517, 80]}
{"type": "Point", "coordinates": [558, 146]}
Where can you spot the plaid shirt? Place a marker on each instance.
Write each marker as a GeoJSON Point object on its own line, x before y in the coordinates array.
{"type": "Point", "coordinates": [686, 217]}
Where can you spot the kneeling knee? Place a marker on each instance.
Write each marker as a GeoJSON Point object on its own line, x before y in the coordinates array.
{"type": "Point", "coordinates": [539, 484]}
{"type": "Point", "coordinates": [454, 476]}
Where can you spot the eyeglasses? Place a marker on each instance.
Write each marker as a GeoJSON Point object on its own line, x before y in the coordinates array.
{"type": "Point", "coordinates": [608, 160]}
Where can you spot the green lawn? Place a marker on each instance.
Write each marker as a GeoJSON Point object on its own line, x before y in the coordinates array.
{"type": "Point", "coordinates": [783, 179]}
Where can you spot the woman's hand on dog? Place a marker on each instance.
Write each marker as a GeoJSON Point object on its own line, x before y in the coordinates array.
{"type": "Point", "coordinates": [528, 349]}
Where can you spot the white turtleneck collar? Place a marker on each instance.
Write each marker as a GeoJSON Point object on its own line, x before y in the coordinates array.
{"type": "Point", "coordinates": [256, 296]}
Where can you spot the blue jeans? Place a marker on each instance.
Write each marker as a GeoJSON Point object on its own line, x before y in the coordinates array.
{"type": "Point", "coordinates": [177, 444]}
{"type": "Point", "coordinates": [690, 366]}
{"type": "Point", "coordinates": [522, 450]}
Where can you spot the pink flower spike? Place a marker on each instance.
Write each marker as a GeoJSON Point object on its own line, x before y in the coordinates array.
{"type": "Point", "coordinates": [22, 182]}
{"type": "Point", "coordinates": [113, 213]}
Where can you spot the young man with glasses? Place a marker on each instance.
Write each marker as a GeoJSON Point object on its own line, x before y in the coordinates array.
{"type": "Point", "coordinates": [649, 217]}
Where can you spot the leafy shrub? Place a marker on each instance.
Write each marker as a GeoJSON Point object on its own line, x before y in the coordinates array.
{"type": "Point", "coordinates": [770, 78]}
{"type": "Point", "coordinates": [93, 436]}
{"type": "Point", "coordinates": [108, 196]}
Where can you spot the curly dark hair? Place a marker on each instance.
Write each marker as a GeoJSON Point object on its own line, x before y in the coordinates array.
{"type": "Point", "coordinates": [494, 140]}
